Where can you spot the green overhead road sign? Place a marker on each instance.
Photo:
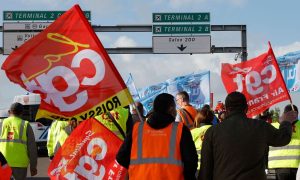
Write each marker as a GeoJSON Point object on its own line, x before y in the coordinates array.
{"type": "Point", "coordinates": [180, 17]}
{"type": "Point", "coordinates": [181, 29]}
{"type": "Point", "coordinates": [36, 15]}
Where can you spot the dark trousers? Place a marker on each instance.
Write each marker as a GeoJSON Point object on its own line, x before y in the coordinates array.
{"type": "Point", "coordinates": [286, 173]}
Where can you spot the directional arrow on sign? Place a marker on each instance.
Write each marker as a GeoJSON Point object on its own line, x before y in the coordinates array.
{"type": "Point", "coordinates": [181, 48]}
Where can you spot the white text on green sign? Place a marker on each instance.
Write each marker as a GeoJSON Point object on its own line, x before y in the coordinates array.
{"type": "Point", "coordinates": [181, 29]}
{"type": "Point", "coordinates": [180, 17]}
{"type": "Point", "coordinates": [36, 15]}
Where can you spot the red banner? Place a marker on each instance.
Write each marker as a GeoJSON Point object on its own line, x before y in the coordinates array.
{"type": "Point", "coordinates": [88, 153]}
{"type": "Point", "coordinates": [67, 64]}
{"type": "Point", "coordinates": [259, 79]}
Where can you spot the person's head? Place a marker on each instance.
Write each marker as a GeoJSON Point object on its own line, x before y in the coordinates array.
{"type": "Point", "coordinates": [16, 109]}
{"type": "Point", "coordinates": [138, 107]}
{"type": "Point", "coordinates": [236, 101]}
{"type": "Point", "coordinates": [164, 103]}
{"type": "Point", "coordinates": [206, 106]}
{"type": "Point", "coordinates": [289, 108]}
{"type": "Point", "coordinates": [182, 98]}
{"type": "Point", "coordinates": [204, 116]}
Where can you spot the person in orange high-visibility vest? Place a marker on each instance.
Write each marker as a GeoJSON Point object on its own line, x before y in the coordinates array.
{"type": "Point", "coordinates": [5, 170]}
{"type": "Point", "coordinates": [159, 148]}
{"type": "Point", "coordinates": [187, 112]}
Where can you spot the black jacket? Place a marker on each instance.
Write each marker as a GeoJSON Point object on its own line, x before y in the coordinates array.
{"type": "Point", "coordinates": [235, 148]}
{"type": "Point", "coordinates": [187, 147]}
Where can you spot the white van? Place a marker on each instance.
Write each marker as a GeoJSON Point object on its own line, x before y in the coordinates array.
{"type": "Point", "coordinates": [41, 126]}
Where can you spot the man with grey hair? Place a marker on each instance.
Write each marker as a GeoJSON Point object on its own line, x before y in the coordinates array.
{"type": "Point", "coordinates": [186, 113]}
{"type": "Point", "coordinates": [235, 148]}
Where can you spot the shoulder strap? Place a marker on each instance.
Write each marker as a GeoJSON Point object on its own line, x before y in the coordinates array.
{"type": "Point", "coordinates": [188, 114]}
{"type": "Point", "coordinates": [111, 117]}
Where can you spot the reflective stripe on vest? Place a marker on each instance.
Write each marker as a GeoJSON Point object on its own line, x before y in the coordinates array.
{"type": "Point", "coordinates": [185, 118]}
{"type": "Point", "coordinates": [170, 160]}
{"type": "Point", "coordinates": [14, 140]}
{"type": "Point", "coordinates": [288, 147]}
{"type": "Point", "coordinates": [286, 156]}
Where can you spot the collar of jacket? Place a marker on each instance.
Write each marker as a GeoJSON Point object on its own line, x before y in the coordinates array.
{"type": "Point", "coordinates": [236, 113]}
{"type": "Point", "coordinates": [159, 120]}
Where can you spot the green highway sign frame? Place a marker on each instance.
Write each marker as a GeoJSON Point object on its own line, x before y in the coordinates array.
{"type": "Point", "coordinates": [36, 15]}
{"type": "Point", "coordinates": [181, 29]}
{"type": "Point", "coordinates": [180, 17]}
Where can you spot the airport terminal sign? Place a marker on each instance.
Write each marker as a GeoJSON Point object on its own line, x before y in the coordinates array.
{"type": "Point", "coordinates": [36, 15]}
{"type": "Point", "coordinates": [181, 29]}
{"type": "Point", "coordinates": [180, 17]}
{"type": "Point", "coordinates": [181, 44]}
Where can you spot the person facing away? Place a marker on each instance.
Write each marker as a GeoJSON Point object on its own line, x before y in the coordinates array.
{"type": "Point", "coordinates": [159, 148]}
{"type": "Point", "coordinates": [58, 134]}
{"type": "Point", "coordinates": [17, 143]}
{"type": "Point", "coordinates": [56, 137]}
{"type": "Point", "coordinates": [235, 148]}
{"type": "Point", "coordinates": [186, 113]}
{"type": "Point", "coordinates": [203, 121]}
{"type": "Point", "coordinates": [285, 160]}
{"type": "Point", "coordinates": [138, 112]}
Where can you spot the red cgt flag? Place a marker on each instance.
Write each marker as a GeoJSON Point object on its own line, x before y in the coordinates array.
{"type": "Point", "coordinates": [68, 66]}
{"type": "Point", "coordinates": [88, 153]}
{"type": "Point", "coordinates": [259, 79]}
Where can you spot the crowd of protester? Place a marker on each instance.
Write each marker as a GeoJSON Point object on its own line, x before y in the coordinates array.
{"type": "Point", "coordinates": [176, 141]}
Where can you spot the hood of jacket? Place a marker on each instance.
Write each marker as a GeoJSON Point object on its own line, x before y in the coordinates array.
{"type": "Point", "coordinates": [160, 120]}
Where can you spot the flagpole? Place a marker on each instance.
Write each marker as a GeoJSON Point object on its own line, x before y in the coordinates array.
{"type": "Point", "coordinates": [291, 102]}
{"type": "Point", "coordinates": [139, 114]}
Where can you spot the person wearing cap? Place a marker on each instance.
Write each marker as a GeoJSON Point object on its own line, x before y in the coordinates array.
{"type": "Point", "coordinates": [17, 143]}
{"type": "Point", "coordinates": [285, 160]}
{"type": "Point", "coordinates": [187, 112]}
{"type": "Point", "coordinates": [235, 148]}
{"type": "Point", "coordinates": [159, 148]}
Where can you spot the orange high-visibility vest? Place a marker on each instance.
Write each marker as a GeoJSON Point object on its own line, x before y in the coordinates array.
{"type": "Point", "coordinates": [155, 153]}
{"type": "Point", "coordinates": [187, 118]}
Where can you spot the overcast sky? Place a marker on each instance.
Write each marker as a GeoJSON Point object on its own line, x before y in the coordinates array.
{"type": "Point", "coordinates": [275, 21]}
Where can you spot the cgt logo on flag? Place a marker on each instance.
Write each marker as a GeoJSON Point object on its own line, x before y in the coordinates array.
{"type": "Point", "coordinates": [259, 79]}
{"type": "Point", "coordinates": [46, 77]}
{"type": "Point", "coordinates": [68, 66]}
{"type": "Point", "coordinates": [88, 153]}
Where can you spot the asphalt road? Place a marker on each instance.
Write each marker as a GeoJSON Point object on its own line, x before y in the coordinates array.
{"type": "Point", "coordinates": [42, 167]}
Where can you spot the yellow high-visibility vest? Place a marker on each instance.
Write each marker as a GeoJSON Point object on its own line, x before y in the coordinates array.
{"type": "Point", "coordinates": [198, 135]}
{"type": "Point", "coordinates": [13, 141]}
{"type": "Point", "coordinates": [286, 156]}
{"type": "Point", "coordinates": [53, 136]}
{"type": "Point", "coordinates": [120, 115]}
